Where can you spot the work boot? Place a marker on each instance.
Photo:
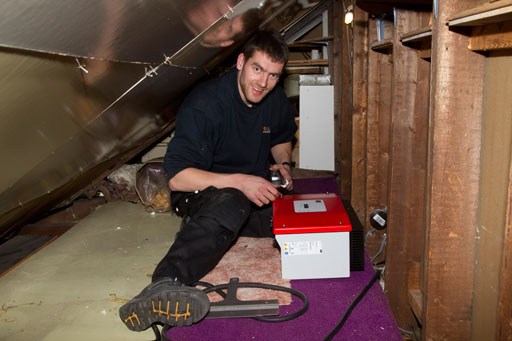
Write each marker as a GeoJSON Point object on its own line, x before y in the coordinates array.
{"type": "Point", "coordinates": [165, 301]}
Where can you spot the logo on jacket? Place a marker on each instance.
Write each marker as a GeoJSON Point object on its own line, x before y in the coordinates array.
{"type": "Point", "coordinates": [266, 130]}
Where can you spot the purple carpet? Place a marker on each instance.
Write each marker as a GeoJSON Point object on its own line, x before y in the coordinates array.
{"type": "Point", "coordinates": [371, 319]}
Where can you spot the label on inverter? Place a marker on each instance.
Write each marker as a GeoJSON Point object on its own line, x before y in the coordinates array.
{"type": "Point", "coordinates": [313, 247]}
{"type": "Point", "coordinates": [309, 206]}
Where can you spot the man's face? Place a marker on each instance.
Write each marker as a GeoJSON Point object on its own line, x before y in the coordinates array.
{"type": "Point", "coordinates": [257, 76]}
{"type": "Point", "coordinates": [202, 14]}
{"type": "Point", "coordinates": [223, 35]}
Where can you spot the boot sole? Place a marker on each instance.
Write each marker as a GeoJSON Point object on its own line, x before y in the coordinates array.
{"type": "Point", "coordinates": [180, 307]}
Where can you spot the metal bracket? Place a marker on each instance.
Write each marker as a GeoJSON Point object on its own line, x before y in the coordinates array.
{"type": "Point", "coordinates": [233, 307]}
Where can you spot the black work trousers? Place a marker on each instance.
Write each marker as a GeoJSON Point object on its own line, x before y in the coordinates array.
{"type": "Point", "coordinates": [212, 221]}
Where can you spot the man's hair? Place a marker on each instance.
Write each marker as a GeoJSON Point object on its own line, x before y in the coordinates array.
{"type": "Point", "coordinates": [269, 42]}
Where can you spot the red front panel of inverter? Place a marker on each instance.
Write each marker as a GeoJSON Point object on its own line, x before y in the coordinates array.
{"type": "Point", "coordinates": [291, 214]}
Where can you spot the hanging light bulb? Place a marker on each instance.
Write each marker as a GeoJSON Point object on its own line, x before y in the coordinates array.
{"type": "Point", "coordinates": [349, 15]}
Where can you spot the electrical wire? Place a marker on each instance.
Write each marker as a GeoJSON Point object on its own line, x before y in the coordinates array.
{"type": "Point", "coordinates": [368, 234]}
{"type": "Point", "coordinates": [302, 310]}
{"type": "Point", "coordinates": [218, 289]}
{"type": "Point", "coordinates": [381, 248]}
{"type": "Point", "coordinates": [382, 244]}
{"type": "Point", "coordinates": [158, 335]}
{"type": "Point", "coordinates": [405, 331]}
{"type": "Point", "coordinates": [375, 278]}
{"type": "Point", "coordinates": [352, 306]}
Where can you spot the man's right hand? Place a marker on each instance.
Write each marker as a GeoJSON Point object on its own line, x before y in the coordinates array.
{"type": "Point", "coordinates": [257, 189]}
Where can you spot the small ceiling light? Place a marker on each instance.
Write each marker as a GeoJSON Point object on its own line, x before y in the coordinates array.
{"type": "Point", "coordinates": [349, 15]}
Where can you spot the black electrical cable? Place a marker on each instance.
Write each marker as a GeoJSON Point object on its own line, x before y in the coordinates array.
{"type": "Point", "coordinates": [352, 306]}
{"type": "Point", "coordinates": [217, 289]}
{"type": "Point", "coordinates": [158, 335]}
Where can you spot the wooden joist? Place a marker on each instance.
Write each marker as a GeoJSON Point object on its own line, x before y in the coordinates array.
{"type": "Point", "coordinates": [453, 182]}
{"type": "Point", "coordinates": [382, 45]}
{"type": "Point", "coordinates": [314, 42]}
{"type": "Point", "coordinates": [308, 62]}
{"type": "Point", "coordinates": [304, 70]}
{"type": "Point", "coordinates": [378, 121]}
{"type": "Point", "coordinates": [359, 124]}
{"type": "Point", "coordinates": [421, 34]}
{"type": "Point", "coordinates": [407, 177]}
{"type": "Point", "coordinates": [421, 39]}
{"type": "Point", "coordinates": [492, 12]}
{"type": "Point", "coordinates": [491, 37]}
